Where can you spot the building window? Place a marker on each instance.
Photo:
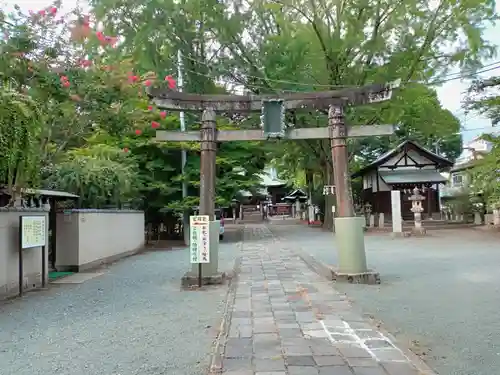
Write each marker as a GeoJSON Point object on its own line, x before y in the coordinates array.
{"type": "Point", "coordinates": [457, 180]}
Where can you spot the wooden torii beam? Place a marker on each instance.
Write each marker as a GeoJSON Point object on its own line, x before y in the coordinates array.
{"type": "Point", "coordinates": [174, 100]}
{"type": "Point", "coordinates": [259, 135]}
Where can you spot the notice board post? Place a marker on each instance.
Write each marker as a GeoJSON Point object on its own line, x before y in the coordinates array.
{"type": "Point", "coordinates": [32, 233]}
{"type": "Point", "coordinates": [199, 242]}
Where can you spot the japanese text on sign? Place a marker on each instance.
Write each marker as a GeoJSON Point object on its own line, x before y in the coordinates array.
{"type": "Point", "coordinates": [33, 233]}
{"type": "Point", "coordinates": [199, 235]}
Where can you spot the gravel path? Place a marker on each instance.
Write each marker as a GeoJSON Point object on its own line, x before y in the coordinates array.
{"type": "Point", "coordinates": [441, 291]}
{"type": "Point", "coordinates": [132, 320]}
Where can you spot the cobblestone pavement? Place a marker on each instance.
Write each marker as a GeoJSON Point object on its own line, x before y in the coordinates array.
{"type": "Point", "coordinates": [133, 320]}
{"type": "Point", "coordinates": [287, 320]}
{"type": "Point", "coordinates": [439, 294]}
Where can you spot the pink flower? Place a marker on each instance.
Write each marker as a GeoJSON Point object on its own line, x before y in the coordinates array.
{"type": "Point", "coordinates": [171, 82]}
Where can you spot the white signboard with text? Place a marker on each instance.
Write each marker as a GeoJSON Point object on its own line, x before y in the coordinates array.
{"type": "Point", "coordinates": [33, 231]}
{"type": "Point", "coordinates": [199, 239]}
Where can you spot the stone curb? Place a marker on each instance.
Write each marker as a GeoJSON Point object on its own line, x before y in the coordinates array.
{"type": "Point", "coordinates": [320, 268]}
{"type": "Point", "coordinates": [327, 272]}
{"type": "Point", "coordinates": [217, 352]}
{"type": "Point", "coordinates": [418, 362]}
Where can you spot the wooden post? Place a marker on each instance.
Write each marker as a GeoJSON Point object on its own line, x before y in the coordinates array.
{"type": "Point", "coordinates": [207, 163]}
{"type": "Point", "coordinates": [342, 178]}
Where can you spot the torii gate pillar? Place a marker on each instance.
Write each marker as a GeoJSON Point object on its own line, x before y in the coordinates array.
{"type": "Point", "coordinates": [349, 233]}
{"type": "Point", "coordinates": [209, 271]}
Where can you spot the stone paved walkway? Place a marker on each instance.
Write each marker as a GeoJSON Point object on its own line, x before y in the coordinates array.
{"type": "Point", "coordinates": [287, 320]}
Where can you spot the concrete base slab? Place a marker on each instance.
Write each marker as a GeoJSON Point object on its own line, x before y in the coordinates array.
{"type": "Point", "coordinates": [414, 232]}
{"type": "Point", "coordinates": [191, 279]}
{"type": "Point", "coordinates": [418, 232]}
{"type": "Point", "coordinates": [397, 234]}
{"type": "Point", "coordinates": [368, 277]}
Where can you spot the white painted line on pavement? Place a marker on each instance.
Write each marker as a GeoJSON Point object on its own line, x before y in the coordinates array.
{"type": "Point", "coordinates": [358, 341]}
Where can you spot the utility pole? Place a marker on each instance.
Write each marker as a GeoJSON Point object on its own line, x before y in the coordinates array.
{"type": "Point", "coordinates": [185, 214]}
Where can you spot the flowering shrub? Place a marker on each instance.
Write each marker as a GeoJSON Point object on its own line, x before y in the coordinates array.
{"type": "Point", "coordinates": [62, 81]}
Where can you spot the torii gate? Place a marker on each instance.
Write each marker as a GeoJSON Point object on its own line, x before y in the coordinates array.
{"type": "Point", "coordinates": [349, 228]}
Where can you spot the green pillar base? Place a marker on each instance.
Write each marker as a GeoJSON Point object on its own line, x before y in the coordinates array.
{"type": "Point", "coordinates": [209, 271]}
{"type": "Point", "coordinates": [350, 238]}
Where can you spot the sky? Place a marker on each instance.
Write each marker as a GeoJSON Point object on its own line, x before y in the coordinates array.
{"type": "Point", "coordinates": [450, 93]}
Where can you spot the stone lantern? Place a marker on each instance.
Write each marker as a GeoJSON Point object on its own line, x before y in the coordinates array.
{"type": "Point", "coordinates": [370, 219]}
{"type": "Point", "coordinates": [446, 212]}
{"type": "Point", "coordinates": [234, 205]}
{"type": "Point", "coordinates": [367, 208]}
{"type": "Point", "coordinates": [416, 207]}
{"type": "Point", "coordinates": [478, 208]}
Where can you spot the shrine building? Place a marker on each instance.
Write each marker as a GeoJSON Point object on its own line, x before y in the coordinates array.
{"type": "Point", "coordinates": [403, 168]}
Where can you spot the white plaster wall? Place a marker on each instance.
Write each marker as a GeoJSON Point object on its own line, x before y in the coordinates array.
{"type": "Point", "coordinates": [9, 254]}
{"type": "Point", "coordinates": [369, 181]}
{"type": "Point", "coordinates": [87, 237]}
{"type": "Point", "coordinates": [382, 185]}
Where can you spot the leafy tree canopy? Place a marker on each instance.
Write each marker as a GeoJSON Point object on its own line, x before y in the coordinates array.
{"type": "Point", "coordinates": [88, 127]}
{"type": "Point", "coordinates": [484, 98]}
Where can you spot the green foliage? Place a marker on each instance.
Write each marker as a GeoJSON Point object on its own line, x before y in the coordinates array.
{"type": "Point", "coordinates": [63, 91]}
{"type": "Point", "coordinates": [462, 202]}
{"type": "Point", "coordinates": [483, 97]}
{"type": "Point", "coordinates": [100, 174]}
{"type": "Point", "coordinates": [20, 126]}
{"type": "Point", "coordinates": [288, 45]}
{"type": "Point", "coordinates": [167, 27]}
{"type": "Point", "coordinates": [237, 167]}
{"type": "Point", "coordinates": [486, 174]}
